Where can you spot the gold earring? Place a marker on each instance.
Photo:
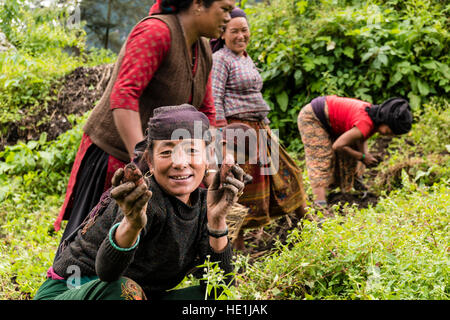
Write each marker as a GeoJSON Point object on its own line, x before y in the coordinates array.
{"type": "Point", "coordinates": [148, 174]}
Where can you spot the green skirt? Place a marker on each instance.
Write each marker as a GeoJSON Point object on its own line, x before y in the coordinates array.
{"type": "Point", "coordinates": [92, 288]}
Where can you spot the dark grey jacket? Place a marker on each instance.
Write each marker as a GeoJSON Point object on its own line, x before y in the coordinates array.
{"type": "Point", "coordinates": [174, 241]}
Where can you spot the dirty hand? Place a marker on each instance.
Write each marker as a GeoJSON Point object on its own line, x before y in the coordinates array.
{"type": "Point", "coordinates": [369, 160]}
{"type": "Point", "coordinates": [222, 195]}
{"type": "Point", "coordinates": [132, 197]}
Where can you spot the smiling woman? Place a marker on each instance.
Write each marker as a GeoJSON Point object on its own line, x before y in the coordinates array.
{"type": "Point", "coordinates": [179, 166]}
{"type": "Point", "coordinates": [237, 35]}
{"type": "Point", "coordinates": [237, 87]}
{"type": "Point", "coordinates": [143, 239]}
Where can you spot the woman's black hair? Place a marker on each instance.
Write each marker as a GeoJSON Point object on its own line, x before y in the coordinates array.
{"type": "Point", "coordinates": [394, 112]}
{"type": "Point", "coordinates": [145, 146]}
{"type": "Point", "coordinates": [174, 6]}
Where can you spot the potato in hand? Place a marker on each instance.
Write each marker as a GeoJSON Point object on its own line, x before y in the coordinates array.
{"type": "Point", "coordinates": [133, 174]}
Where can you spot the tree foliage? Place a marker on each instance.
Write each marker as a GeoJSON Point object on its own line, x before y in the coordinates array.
{"type": "Point", "coordinates": [109, 22]}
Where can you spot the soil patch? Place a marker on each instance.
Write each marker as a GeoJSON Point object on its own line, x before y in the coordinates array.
{"type": "Point", "coordinates": [259, 242]}
{"type": "Point", "coordinates": [77, 93]}
{"type": "Point", "coordinates": [360, 199]}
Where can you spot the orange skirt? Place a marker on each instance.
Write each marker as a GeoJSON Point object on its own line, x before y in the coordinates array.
{"type": "Point", "coordinates": [325, 167]}
{"type": "Point", "coordinates": [271, 194]}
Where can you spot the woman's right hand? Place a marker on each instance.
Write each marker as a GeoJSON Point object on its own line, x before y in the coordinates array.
{"type": "Point", "coordinates": [369, 160]}
{"type": "Point", "coordinates": [131, 199]}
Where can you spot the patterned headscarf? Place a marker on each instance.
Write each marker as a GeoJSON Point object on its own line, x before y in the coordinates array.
{"type": "Point", "coordinates": [169, 121]}
{"type": "Point", "coordinates": [164, 124]}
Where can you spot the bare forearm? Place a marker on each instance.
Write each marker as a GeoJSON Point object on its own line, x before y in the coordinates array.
{"type": "Point", "coordinates": [350, 138]}
{"type": "Point", "coordinates": [365, 147]}
{"type": "Point", "coordinates": [362, 146]}
{"type": "Point", "coordinates": [128, 123]}
{"type": "Point", "coordinates": [352, 152]}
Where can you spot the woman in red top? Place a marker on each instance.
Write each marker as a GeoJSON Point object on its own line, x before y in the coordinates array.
{"type": "Point", "coordinates": [334, 132]}
{"type": "Point", "coordinates": [147, 49]}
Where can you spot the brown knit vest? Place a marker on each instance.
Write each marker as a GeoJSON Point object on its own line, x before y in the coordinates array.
{"type": "Point", "coordinates": [172, 84]}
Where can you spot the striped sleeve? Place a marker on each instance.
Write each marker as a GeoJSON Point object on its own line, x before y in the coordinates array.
{"type": "Point", "coordinates": [219, 80]}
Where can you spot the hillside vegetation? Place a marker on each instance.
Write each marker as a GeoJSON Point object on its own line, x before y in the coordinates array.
{"type": "Point", "coordinates": [48, 44]}
{"type": "Point", "coordinates": [395, 249]}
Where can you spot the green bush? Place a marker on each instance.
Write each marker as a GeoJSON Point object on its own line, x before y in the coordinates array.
{"type": "Point", "coordinates": [396, 250]}
{"type": "Point", "coordinates": [370, 50]}
{"type": "Point", "coordinates": [47, 48]}
{"type": "Point", "coordinates": [42, 166]}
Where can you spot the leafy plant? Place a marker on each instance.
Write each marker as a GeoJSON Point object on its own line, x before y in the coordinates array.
{"type": "Point", "coordinates": [367, 50]}
{"type": "Point", "coordinates": [217, 283]}
{"type": "Point", "coordinates": [396, 250]}
{"type": "Point", "coordinates": [33, 179]}
{"type": "Point", "coordinates": [41, 165]}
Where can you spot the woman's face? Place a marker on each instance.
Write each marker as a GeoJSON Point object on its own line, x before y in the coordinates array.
{"type": "Point", "coordinates": [178, 166]}
{"type": "Point", "coordinates": [212, 20]}
{"type": "Point", "coordinates": [237, 35]}
{"type": "Point", "coordinates": [384, 130]}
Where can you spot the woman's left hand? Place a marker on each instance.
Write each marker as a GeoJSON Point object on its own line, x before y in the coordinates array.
{"type": "Point", "coordinates": [222, 195]}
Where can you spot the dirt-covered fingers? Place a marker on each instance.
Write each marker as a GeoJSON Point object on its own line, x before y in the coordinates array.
{"type": "Point", "coordinates": [233, 188]}
{"type": "Point", "coordinates": [215, 184]}
{"type": "Point", "coordinates": [122, 190]}
{"type": "Point", "coordinates": [132, 200]}
{"type": "Point", "coordinates": [117, 178]}
{"type": "Point", "coordinates": [238, 172]}
{"type": "Point", "coordinates": [233, 183]}
{"type": "Point", "coordinates": [141, 202]}
{"type": "Point", "coordinates": [247, 178]}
